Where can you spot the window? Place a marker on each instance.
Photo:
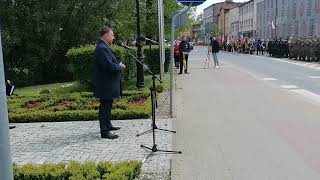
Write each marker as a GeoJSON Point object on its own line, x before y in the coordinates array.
{"type": "Point", "coordinates": [294, 9]}
{"type": "Point", "coordinates": [296, 28]}
{"type": "Point", "coordinates": [271, 3]}
{"type": "Point", "coordinates": [311, 27]}
{"type": "Point", "coordinates": [309, 8]}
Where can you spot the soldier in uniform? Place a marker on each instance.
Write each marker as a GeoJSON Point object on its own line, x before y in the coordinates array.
{"type": "Point", "coordinates": [297, 48]}
{"type": "Point", "coordinates": [290, 48]}
{"type": "Point", "coordinates": [317, 50]}
{"type": "Point", "coordinates": [302, 55]}
{"type": "Point", "coordinates": [311, 50]}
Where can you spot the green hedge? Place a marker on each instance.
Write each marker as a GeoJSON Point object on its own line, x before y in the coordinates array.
{"type": "Point", "coordinates": [82, 63]}
{"type": "Point", "coordinates": [152, 58]}
{"type": "Point", "coordinates": [76, 107]}
{"type": "Point", "coordinates": [128, 170]}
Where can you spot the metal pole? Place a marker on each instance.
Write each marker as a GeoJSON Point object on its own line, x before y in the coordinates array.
{"type": "Point", "coordinates": [172, 56]}
{"type": "Point", "coordinates": [140, 75]}
{"type": "Point", "coordinates": [161, 37]}
{"type": "Point", "coordinates": [275, 20]}
{"type": "Point", "coordinates": [6, 172]}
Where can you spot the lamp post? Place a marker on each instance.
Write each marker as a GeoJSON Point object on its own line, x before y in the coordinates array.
{"type": "Point", "coordinates": [6, 172]}
{"type": "Point", "coordinates": [140, 75]}
{"type": "Point", "coordinates": [275, 20]}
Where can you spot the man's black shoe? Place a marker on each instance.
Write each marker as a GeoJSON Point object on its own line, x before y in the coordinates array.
{"type": "Point", "coordinates": [114, 128]}
{"type": "Point", "coordinates": [109, 136]}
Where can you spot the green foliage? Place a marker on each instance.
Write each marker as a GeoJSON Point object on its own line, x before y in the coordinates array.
{"type": "Point", "coordinates": [127, 170]}
{"type": "Point", "coordinates": [152, 58]}
{"type": "Point", "coordinates": [45, 91]}
{"type": "Point", "coordinates": [190, 21]}
{"type": "Point", "coordinates": [82, 63]}
{"type": "Point", "coordinates": [215, 30]}
{"type": "Point", "coordinates": [75, 107]}
{"type": "Point", "coordinates": [159, 88]}
{"type": "Point", "coordinates": [37, 34]}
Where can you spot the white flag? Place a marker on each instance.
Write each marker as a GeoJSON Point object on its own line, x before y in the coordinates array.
{"type": "Point", "coordinates": [272, 25]}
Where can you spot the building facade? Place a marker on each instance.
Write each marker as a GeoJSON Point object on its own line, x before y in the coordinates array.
{"type": "Point", "coordinates": [225, 17]}
{"type": "Point", "coordinates": [215, 17]}
{"type": "Point", "coordinates": [233, 22]}
{"type": "Point", "coordinates": [246, 17]}
{"type": "Point", "coordinates": [283, 18]}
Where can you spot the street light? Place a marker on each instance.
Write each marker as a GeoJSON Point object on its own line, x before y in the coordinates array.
{"type": "Point", "coordinates": [6, 170]}
{"type": "Point", "coordinates": [140, 75]}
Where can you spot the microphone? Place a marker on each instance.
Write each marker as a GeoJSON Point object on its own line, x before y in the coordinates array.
{"type": "Point", "coordinates": [147, 39]}
{"type": "Point", "coordinates": [119, 43]}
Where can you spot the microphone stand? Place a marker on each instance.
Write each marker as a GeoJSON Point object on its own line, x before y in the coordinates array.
{"type": "Point", "coordinates": [154, 105]}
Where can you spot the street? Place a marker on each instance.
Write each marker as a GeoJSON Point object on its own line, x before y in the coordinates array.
{"type": "Point", "coordinates": [255, 118]}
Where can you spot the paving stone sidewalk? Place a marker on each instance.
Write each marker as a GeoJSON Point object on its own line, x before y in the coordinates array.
{"type": "Point", "coordinates": [64, 141]}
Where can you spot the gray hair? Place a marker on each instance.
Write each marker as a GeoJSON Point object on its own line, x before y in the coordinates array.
{"type": "Point", "coordinates": [105, 30]}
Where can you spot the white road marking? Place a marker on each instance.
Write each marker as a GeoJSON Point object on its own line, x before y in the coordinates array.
{"type": "Point", "coordinates": [313, 65]}
{"type": "Point", "coordinates": [314, 77]}
{"type": "Point", "coordinates": [304, 64]}
{"type": "Point", "coordinates": [309, 95]}
{"type": "Point", "coordinates": [289, 86]}
{"type": "Point", "coordinates": [268, 79]}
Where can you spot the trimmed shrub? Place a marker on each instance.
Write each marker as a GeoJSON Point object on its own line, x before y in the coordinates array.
{"type": "Point", "coordinates": [152, 58]}
{"type": "Point", "coordinates": [82, 63]}
{"type": "Point", "coordinates": [127, 170]}
{"type": "Point", "coordinates": [76, 107]}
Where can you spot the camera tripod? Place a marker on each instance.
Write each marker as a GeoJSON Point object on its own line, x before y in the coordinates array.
{"type": "Point", "coordinates": [207, 62]}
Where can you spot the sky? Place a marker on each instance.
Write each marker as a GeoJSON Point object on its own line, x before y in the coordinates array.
{"type": "Point", "coordinates": [210, 2]}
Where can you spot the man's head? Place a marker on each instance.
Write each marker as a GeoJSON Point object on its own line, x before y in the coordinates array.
{"type": "Point", "coordinates": [106, 34]}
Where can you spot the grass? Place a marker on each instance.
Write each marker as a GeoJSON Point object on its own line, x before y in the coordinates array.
{"type": "Point", "coordinates": [58, 88]}
{"type": "Point", "coordinates": [55, 88]}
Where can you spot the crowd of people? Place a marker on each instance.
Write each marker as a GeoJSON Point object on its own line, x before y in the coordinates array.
{"type": "Point", "coordinates": [306, 48]}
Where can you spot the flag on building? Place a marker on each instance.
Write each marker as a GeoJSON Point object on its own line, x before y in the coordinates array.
{"type": "Point", "coordinates": [272, 25]}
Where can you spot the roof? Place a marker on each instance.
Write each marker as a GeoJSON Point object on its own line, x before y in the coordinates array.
{"type": "Point", "coordinates": [246, 2]}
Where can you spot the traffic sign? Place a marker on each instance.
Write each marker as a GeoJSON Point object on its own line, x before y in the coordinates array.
{"type": "Point", "coordinates": [194, 2]}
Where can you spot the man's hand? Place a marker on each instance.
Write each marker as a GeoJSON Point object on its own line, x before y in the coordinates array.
{"type": "Point", "coordinates": [122, 65]}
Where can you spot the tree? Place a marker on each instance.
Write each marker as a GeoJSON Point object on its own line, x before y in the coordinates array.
{"type": "Point", "coordinates": [215, 30]}
{"type": "Point", "coordinates": [37, 34]}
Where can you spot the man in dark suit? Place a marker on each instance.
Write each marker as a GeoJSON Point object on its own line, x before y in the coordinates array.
{"type": "Point", "coordinates": [107, 81]}
{"type": "Point", "coordinates": [184, 52]}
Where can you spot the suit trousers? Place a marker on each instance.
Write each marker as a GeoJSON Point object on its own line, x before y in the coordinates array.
{"type": "Point", "coordinates": [182, 65]}
{"type": "Point", "coordinates": [105, 115]}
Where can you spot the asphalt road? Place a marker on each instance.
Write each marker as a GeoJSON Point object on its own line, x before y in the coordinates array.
{"type": "Point", "coordinates": [255, 118]}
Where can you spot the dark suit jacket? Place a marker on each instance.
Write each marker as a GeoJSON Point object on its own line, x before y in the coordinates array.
{"type": "Point", "coordinates": [184, 46]}
{"type": "Point", "coordinates": [107, 73]}
{"type": "Point", "coordinates": [215, 46]}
